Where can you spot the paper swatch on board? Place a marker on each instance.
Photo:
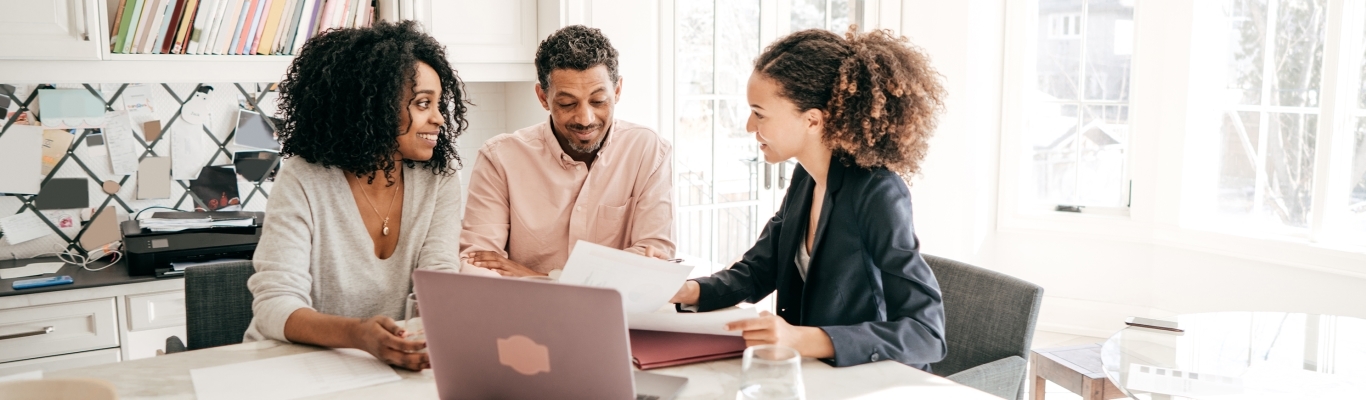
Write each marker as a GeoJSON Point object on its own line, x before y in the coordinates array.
{"type": "Point", "coordinates": [64, 193]}
{"type": "Point", "coordinates": [21, 159]}
{"type": "Point", "coordinates": [190, 150]}
{"type": "Point", "coordinates": [137, 100]}
{"type": "Point", "coordinates": [70, 108]}
{"type": "Point", "coordinates": [154, 178]}
{"type": "Point", "coordinates": [56, 142]}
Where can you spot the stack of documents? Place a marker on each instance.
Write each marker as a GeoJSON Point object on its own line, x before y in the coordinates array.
{"type": "Point", "coordinates": [179, 221]}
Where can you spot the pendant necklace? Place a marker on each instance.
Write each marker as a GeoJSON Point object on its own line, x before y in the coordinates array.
{"type": "Point", "coordinates": [385, 216]}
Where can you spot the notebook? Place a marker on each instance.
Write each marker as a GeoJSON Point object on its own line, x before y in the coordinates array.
{"type": "Point", "coordinates": [657, 349]}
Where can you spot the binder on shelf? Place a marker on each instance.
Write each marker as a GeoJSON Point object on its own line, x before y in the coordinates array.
{"type": "Point", "coordinates": [656, 349]}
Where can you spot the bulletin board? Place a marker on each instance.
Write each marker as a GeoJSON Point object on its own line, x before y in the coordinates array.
{"type": "Point", "coordinates": [85, 158]}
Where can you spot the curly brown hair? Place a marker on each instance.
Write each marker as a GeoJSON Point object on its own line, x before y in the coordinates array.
{"type": "Point", "coordinates": [880, 97]}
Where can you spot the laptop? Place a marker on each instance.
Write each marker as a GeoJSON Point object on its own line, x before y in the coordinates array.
{"type": "Point", "coordinates": [500, 338]}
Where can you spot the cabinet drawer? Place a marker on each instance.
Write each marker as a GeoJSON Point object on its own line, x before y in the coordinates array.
{"type": "Point", "coordinates": [156, 310]}
{"type": "Point", "coordinates": [38, 331]}
{"type": "Point", "coordinates": [65, 361]}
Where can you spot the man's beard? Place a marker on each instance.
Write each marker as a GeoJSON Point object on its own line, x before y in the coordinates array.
{"type": "Point", "coordinates": [581, 147]}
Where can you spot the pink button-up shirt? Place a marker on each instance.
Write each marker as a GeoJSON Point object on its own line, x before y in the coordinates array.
{"type": "Point", "coordinates": [531, 202]}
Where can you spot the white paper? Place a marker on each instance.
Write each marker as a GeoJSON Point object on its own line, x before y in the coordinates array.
{"type": "Point", "coordinates": [34, 269]}
{"type": "Point", "coordinates": [119, 140]}
{"type": "Point", "coordinates": [292, 377]}
{"type": "Point", "coordinates": [708, 323]}
{"type": "Point", "coordinates": [23, 227]}
{"type": "Point", "coordinates": [187, 150]}
{"type": "Point", "coordinates": [137, 99]}
{"type": "Point", "coordinates": [21, 159]}
{"type": "Point", "coordinates": [23, 376]}
{"type": "Point", "coordinates": [645, 283]}
{"type": "Point", "coordinates": [180, 266]}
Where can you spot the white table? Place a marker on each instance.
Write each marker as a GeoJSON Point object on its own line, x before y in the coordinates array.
{"type": "Point", "coordinates": [168, 377]}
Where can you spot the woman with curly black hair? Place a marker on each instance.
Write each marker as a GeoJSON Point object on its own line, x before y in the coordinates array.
{"type": "Point", "coordinates": [367, 193]}
{"type": "Point", "coordinates": [856, 112]}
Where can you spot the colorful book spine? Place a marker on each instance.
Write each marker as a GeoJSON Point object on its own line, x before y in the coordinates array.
{"type": "Point", "coordinates": [243, 26]}
{"type": "Point", "coordinates": [168, 28]}
{"type": "Point", "coordinates": [249, 29]}
{"type": "Point", "coordinates": [114, 24]}
{"type": "Point", "coordinates": [306, 28]}
{"type": "Point", "coordinates": [130, 14]}
{"type": "Point", "coordinates": [150, 9]}
{"type": "Point", "coordinates": [153, 33]}
{"type": "Point", "coordinates": [269, 26]}
{"type": "Point", "coordinates": [183, 30]}
{"type": "Point", "coordinates": [229, 29]}
{"type": "Point", "coordinates": [202, 22]}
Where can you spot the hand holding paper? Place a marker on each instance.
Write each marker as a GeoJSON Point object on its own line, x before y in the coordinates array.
{"type": "Point", "coordinates": [646, 284]}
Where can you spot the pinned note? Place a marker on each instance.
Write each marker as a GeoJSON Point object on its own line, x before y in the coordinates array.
{"type": "Point", "coordinates": [154, 178]}
{"type": "Point", "coordinates": [23, 227]}
{"type": "Point", "coordinates": [119, 140]}
{"type": "Point", "coordinates": [137, 100]}
{"type": "Point", "coordinates": [151, 130]}
{"type": "Point", "coordinates": [70, 108]}
{"type": "Point", "coordinates": [21, 159]}
{"type": "Point", "coordinates": [56, 142]}
{"type": "Point", "coordinates": [189, 150]}
{"type": "Point", "coordinates": [64, 193]}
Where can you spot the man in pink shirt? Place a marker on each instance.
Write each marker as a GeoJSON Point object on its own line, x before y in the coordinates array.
{"type": "Point", "coordinates": [582, 175]}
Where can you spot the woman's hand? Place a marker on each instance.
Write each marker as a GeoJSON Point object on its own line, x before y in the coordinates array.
{"type": "Point", "coordinates": [772, 329]}
{"type": "Point", "coordinates": [688, 294]}
{"type": "Point", "coordinates": [382, 338]}
{"type": "Point", "coordinates": [503, 266]}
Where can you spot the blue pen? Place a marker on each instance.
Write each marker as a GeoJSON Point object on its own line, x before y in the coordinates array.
{"type": "Point", "coordinates": [42, 282]}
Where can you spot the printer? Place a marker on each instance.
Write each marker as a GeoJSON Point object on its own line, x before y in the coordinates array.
{"type": "Point", "coordinates": [149, 252]}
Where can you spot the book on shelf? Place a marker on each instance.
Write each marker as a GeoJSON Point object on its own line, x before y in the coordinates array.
{"type": "Point", "coordinates": [151, 9]}
{"type": "Point", "coordinates": [167, 21]}
{"type": "Point", "coordinates": [223, 27]}
{"type": "Point", "coordinates": [269, 26]}
{"type": "Point", "coordinates": [187, 17]}
{"type": "Point", "coordinates": [131, 10]}
{"type": "Point", "coordinates": [201, 20]}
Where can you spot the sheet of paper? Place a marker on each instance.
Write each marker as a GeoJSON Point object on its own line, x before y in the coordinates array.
{"type": "Point", "coordinates": [189, 150]}
{"type": "Point", "coordinates": [119, 141]}
{"type": "Point", "coordinates": [70, 108]}
{"type": "Point", "coordinates": [292, 377]}
{"type": "Point", "coordinates": [34, 269]}
{"type": "Point", "coordinates": [645, 283]}
{"type": "Point", "coordinates": [21, 157]}
{"type": "Point", "coordinates": [23, 376]}
{"type": "Point", "coordinates": [137, 99]}
{"type": "Point", "coordinates": [154, 178]}
{"type": "Point", "coordinates": [23, 227]}
{"type": "Point", "coordinates": [709, 323]}
{"type": "Point", "coordinates": [55, 144]}
{"type": "Point", "coordinates": [180, 266]}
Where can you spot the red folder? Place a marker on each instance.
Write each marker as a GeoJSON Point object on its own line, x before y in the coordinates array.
{"type": "Point", "coordinates": [655, 349]}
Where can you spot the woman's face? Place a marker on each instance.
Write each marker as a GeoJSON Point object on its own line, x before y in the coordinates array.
{"type": "Point", "coordinates": [782, 130]}
{"type": "Point", "coordinates": [420, 122]}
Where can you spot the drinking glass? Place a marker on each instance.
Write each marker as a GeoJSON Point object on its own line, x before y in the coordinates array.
{"type": "Point", "coordinates": [411, 323]}
{"type": "Point", "coordinates": [771, 372]}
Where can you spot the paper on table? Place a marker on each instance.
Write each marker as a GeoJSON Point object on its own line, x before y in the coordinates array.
{"type": "Point", "coordinates": [645, 283]}
{"type": "Point", "coordinates": [187, 150]}
{"type": "Point", "coordinates": [21, 157]}
{"type": "Point", "coordinates": [70, 108]}
{"type": "Point", "coordinates": [118, 137]}
{"type": "Point", "coordinates": [23, 227]}
{"type": "Point", "coordinates": [708, 323]}
{"type": "Point", "coordinates": [23, 376]}
{"type": "Point", "coordinates": [291, 377]}
{"type": "Point", "coordinates": [34, 269]}
{"type": "Point", "coordinates": [55, 144]}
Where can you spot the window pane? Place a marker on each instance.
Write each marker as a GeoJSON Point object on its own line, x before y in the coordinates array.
{"type": "Point", "coordinates": [1290, 168]}
{"type": "Point", "coordinates": [692, 152]}
{"type": "Point", "coordinates": [1051, 132]}
{"type": "Point", "coordinates": [1059, 58]}
{"type": "Point", "coordinates": [1109, 48]}
{"type": "Point", "coordinates": [737, 45]}
{"type": "Point", "coordinates": [1101, 144]}
{"type": "Point", "coordinates": [736, 162]}
{"type": "Point", "coordinates": [1357, 201]}
{"type": "Point", "coordinates": [1247, 41]}
{"type": "Point", "coordinates": [839, 16]}
{"type": "Point", "coordinates": [1238, 172]}
{"type": "Point", "coordinates": [1363, 72]}
{"type": "Point", "coordinates": [807, 14]}
{"type": "Point", "coordinates": [1299, 52]}
{"type": "Point", "coordinates": [693, 42]}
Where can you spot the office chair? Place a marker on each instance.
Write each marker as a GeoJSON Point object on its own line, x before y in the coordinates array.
{"type": "Point", "coordinates": [989, 324]}
{"type": "Point", "coordinates": [217, 306]}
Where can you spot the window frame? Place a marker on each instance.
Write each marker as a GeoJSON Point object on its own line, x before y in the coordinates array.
{"type": "Point", "coordinates": [1160, 116]}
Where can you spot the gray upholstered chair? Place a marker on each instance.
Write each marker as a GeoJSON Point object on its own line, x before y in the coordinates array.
{"type": "Point", "coordinates": [217, 305]}
{"type": "Point", "coordinates": [989, 324]}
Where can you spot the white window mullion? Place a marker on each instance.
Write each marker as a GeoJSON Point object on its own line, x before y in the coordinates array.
{"type": "Point", "coordinates": [1268, 79]}
{"type": "Point", "coordinates": [1335, 144]}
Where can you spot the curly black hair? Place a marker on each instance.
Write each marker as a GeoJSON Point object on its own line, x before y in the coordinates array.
{"type": "Point", "coordinates": [341, 99]}
{"type": "Point", "coordinates": [880, 95]}
{"type": "Point", "coordinates": [575, 47]}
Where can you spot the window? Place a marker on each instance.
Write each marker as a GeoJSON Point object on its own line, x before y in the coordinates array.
{"type": "Point", "coordinates": [1077, 110]}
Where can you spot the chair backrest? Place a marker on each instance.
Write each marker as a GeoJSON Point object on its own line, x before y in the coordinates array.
{"type": "Point", "coordinates": [58, 389]}
{"type": "Point", "coordinates": [988, 315]}
{"type": "Point", "coordinates": [217, 304]}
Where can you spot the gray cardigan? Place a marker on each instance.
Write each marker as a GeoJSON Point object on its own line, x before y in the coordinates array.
{"type": "Point", "coordinates": [315, 253]}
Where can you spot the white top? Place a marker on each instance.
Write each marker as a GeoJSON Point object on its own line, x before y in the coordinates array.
{"type": "Point", "coordinates": [315, 251]}
{"type": "Point", "coordinates": [803, 258]}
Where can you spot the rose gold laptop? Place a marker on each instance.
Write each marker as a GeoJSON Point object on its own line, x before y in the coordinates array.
{"type": "Point", "coordinates": [499, 338]}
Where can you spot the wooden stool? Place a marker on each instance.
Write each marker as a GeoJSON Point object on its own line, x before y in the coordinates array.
{"type": "Point", "coordinates": [1077, 368]}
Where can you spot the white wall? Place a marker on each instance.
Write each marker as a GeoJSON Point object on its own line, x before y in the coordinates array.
{"type": "Point", "coordinates": [1102, 271]}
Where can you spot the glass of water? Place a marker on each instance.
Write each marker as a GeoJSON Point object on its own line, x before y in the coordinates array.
{"type": "Point", "coordinates": [411, 321]}
{"type": "Point", "coordinates": [771, 372]}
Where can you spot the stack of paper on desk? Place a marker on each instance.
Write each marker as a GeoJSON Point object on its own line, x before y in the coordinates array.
{"type": "Point", "coordinates": [179, 221]}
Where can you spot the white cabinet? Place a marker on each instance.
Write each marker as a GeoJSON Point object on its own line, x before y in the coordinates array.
{"type": "Point", "coordinates": [481, 31]}
{"type": "Point", "coordinates": [50, 29]}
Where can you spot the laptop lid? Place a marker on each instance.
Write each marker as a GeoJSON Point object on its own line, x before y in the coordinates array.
{"type": "Point", "coordinates": [513, 338]}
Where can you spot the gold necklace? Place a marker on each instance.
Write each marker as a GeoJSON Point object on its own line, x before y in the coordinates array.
{"type": "Point", "coordinates": [389, 209]}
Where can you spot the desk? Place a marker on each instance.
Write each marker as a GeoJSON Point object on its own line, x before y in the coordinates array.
{"type": "Point", "coordinates": [1242, 355]}
{"type": "Point", "coordinates": [168, 377]}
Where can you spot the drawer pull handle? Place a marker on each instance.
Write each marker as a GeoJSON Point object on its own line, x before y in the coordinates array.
{"type": "Point", "coordinates": [44, 331]}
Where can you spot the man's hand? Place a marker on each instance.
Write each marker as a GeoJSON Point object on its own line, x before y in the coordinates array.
{"type": "Point", "coordinates": [503, 266]}
{"type": "Point", "coordinates": [772, 329]}
{"type": "Point", "coordinates": [383, 338]}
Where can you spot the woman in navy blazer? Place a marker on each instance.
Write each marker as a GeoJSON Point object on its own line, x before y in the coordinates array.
{"type": "Point", "coordinates": [856, 112]}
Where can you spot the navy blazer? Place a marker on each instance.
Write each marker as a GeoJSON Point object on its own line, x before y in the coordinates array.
{"type": "Point", "coordinates": [867, 286]}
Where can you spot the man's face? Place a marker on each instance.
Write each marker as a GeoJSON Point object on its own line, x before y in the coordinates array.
{"type": "Point", "coordinates": [580, 105]}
